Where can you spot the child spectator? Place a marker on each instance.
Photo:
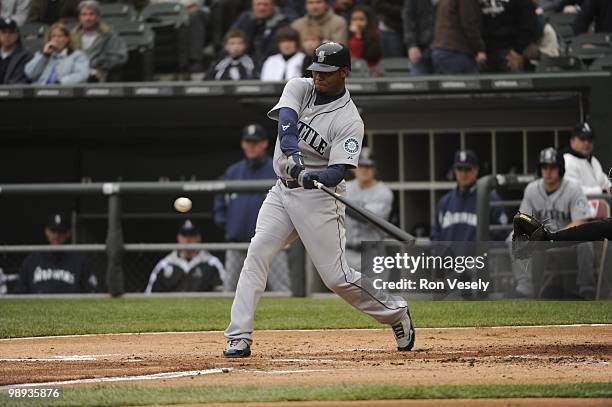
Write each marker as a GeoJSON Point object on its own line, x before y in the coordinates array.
{"type": "Point", "coordinates": [236, 64]}
{"type": "Point", "coordinates": [311, 39]}
{"type": "Point", "coordinates": [59, 62]}
{"type": "Point", "coordinates": [287, 64]}
{"type": "Point", "coordinates": [364, 37]}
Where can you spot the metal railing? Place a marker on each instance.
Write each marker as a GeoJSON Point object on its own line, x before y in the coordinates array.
{"type": "Point", "coordinates": [115, 247]}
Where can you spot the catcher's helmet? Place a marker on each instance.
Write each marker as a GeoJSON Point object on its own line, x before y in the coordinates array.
{"type": "Point", "coordinates": [330, 57]}
{"type": "Point", "coordinates": [551, 156]}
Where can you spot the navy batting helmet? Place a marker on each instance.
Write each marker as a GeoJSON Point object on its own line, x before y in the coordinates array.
{"type": "Point", "coordinates": [330, 57]}
{"type": "Point", "coordinates": [551, 156]}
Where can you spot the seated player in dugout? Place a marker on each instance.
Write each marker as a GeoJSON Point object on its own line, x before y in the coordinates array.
{"type": "Point", "coordinates": [56, 272]}
{"type": "Point", "coordinates": [369, 193]}
{"type": "Point", "coordinates": [319, 137]}
{"type": "Point", "coordinates": [187, 270]}
{"type": "Point", "coordinates": [563, 205]}
{"type": "Point", "coordinates": [527, 227]}
{"type": "Point", "coordinates": [456, 217]}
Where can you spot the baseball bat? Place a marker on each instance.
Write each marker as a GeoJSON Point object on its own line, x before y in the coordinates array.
{"type": "Point", "coordinates": [376, 220]}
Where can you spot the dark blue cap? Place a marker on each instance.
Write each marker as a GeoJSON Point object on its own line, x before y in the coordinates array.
{"type": "Point", "coordinates": [8, 24]}
{"type": "Point", "coordinates": [583, 130]}
{"type": "Point", "coordinates": [465, 159]}
{"type": "Point", "coordinates": [253, 132]}
{"type": "Point", "coordinates": [187, 228]}
{"type": "Point", "coordinates": [58, 223]}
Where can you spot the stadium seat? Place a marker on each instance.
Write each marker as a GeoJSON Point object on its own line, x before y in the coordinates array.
{"type": "Point", "coordinates": [560, 64]}
{"type": "Point", "coordinates": [117, 12]}
{"type": "Point", "coordinates": [563, 25]}
{"type": "Point", "coordinates": [140, 39]}
{"type": "Point", "coordinates": [602, 64]}
{"type": "Point", "coordinates": [591, 45]}
{"type": "Point", "coordinates": [394, 67]}
{"type": "Point", "coordinates": [360, 69]}
{"type": "Point", "coordinates": [170, 23]}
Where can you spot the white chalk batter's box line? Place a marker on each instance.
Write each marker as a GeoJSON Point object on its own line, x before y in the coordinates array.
{"type": "Point", "coordinates": [158, 376]}
{"type": "Point", "coordinates": [451, 328]}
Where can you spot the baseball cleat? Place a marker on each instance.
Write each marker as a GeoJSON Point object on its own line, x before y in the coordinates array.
{"type": "Point", "coordinates": [404, 334]}
{"type": "Point", "coordinates": [237, 348]}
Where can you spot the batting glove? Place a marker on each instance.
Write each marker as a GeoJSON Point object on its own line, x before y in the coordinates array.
{"type": "Point", "coordinates": [295, 165]}
{"type": "Point", "coordinates": [307, 179]}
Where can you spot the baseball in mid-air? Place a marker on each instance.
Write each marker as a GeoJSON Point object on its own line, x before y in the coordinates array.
{"type": "Point", "coordinates": [182, 204]}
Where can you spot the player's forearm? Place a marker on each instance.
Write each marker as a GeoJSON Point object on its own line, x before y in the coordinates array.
{"type": "Point", "coordinates": [332, 175]}
{"type": "Point", "coordinates": [575, 223]}
{"type": "Point", "coordinates": [287, 131]}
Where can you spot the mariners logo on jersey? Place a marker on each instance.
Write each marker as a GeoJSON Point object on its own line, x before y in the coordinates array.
{"type": "Point", "coordinates": [351, 145]}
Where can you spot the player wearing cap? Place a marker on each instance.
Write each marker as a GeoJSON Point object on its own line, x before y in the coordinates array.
{"type": "Point", "coordinates": [563, 204]}
{"type": "Point", "coordinates": [369, 193]}
{"type": "Point", "coordinates": [456, 211]}
{"type": "Point", "coordinates": [13, 57]}
{"type": "Point", "coordinates": [237, 213]}
{"type": "Point", "coordinates": [187, 270]}
{"type": "Point", "coordinates": [581, 166]}
{"type": "Point", "coordinates": [319, 136]}
{"type": "Point", "coordinates": [56, 272]}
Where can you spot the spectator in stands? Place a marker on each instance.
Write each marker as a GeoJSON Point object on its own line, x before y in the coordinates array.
{"type": "Point", "coordinates": [59, 62]}
{"type": "Point", "coordinates": [56, 272]}
{"type": "Point", "coordinates": [557, 6]}
{"type": "Point", "coordinates": [563, 205]}
{"type": "Point", "coordinates": [456, 217]}
{"type": "Point", "coordinates": [369, 193]}
{"type": "Point", "coordinates": [13, 57]}
{"type": "Point", "coordinates": [51, 11]}
{"type": "Point", "coordinates": [581, 166]}
{"type": "Point", "coordinates": [311, 39]}
{"type": "Point", "coordinates": [364, 36]}
{"type": "Point", "coordinates": [344, 8]}
{"type": "Point", "coordinates": [17, 10]}
{"type": "Point", "coordinates": [319, 13]}
{"type": "Point", "coordinates": [102, 46]}
{"type": "Point", "coordinates": [235, 64]}
{"type": "Point", "coordinates": [260, 26]}
{"type": "Point", "coordinates": [237, 213]}
{"type": "Point", "coordinates": [197, 31]}
{"type": "Point", "coordinates": [287, 64]}
{"type": "Point", "coordinates": [391, 27]}
{"type": "Point", "coordinates": [222, 15]}
{"type": "Point", "coordinates": [293, 9]}
{"type": "Point", "coordinates": [548, 40]}
{"type": "Point", "coordinates": [187, 270]}
{"type": "Point", "coordinates": [418, 18]}
{"type": "Point", "coordinates": [508, 28]}
{"type": "Point", "coordinates": [458, 47]}
{"type": "Point", "coordinates": [598, 11]}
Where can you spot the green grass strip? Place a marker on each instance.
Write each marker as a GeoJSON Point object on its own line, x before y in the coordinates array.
{"type": "Point", "coordinates": [46, 317]}
{"type": "Point", "coordinates": [117, 395]}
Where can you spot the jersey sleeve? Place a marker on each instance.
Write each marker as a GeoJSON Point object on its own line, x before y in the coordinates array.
{"type": "Point", "coordinates": [526, 206]}
{"type": "Point", "coordinates": [293, 95]}
{"type": "Point", "coordinates": [579, 205]}
{"type": "Point", "coordinates": [346, 145]}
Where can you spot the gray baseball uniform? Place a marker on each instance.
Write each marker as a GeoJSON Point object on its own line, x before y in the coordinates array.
{"type": "Point", "coordinates": [328, 134]}
{"type": "Point", "coordinates": [378, 199]}
{"type": "Point", "coordinates": [565, 205]}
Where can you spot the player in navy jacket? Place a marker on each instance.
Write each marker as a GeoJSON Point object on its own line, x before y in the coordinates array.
{"type": "Point", "coordinates": [456, 217]}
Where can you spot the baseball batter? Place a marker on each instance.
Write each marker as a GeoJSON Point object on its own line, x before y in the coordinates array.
{"type": "Point", "coordinates": [319, 136]}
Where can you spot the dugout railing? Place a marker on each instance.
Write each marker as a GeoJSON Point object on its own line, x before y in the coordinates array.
{"type": "Point", "coordinates": [114, 247]}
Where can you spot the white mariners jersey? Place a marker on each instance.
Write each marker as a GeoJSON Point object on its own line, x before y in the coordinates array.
{"type": "Point", "coordinates": [328, 134]}
{"type": "Point", "coordinates": [567, 204]}
{"type": "Point", "coordinates": [377, 199]}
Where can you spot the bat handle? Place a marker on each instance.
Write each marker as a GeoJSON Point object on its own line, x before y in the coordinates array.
{"type": "Point", "coordinates": [318, 184]}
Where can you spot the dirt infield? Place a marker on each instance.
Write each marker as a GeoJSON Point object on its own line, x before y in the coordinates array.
{"type": "Point", "coordinates": [521, 355]}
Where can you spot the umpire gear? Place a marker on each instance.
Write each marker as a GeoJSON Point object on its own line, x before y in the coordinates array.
{"type": "Point", "coordinates": [551, 156]}
{"type": "Point", "coordinates": [330, 57]}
